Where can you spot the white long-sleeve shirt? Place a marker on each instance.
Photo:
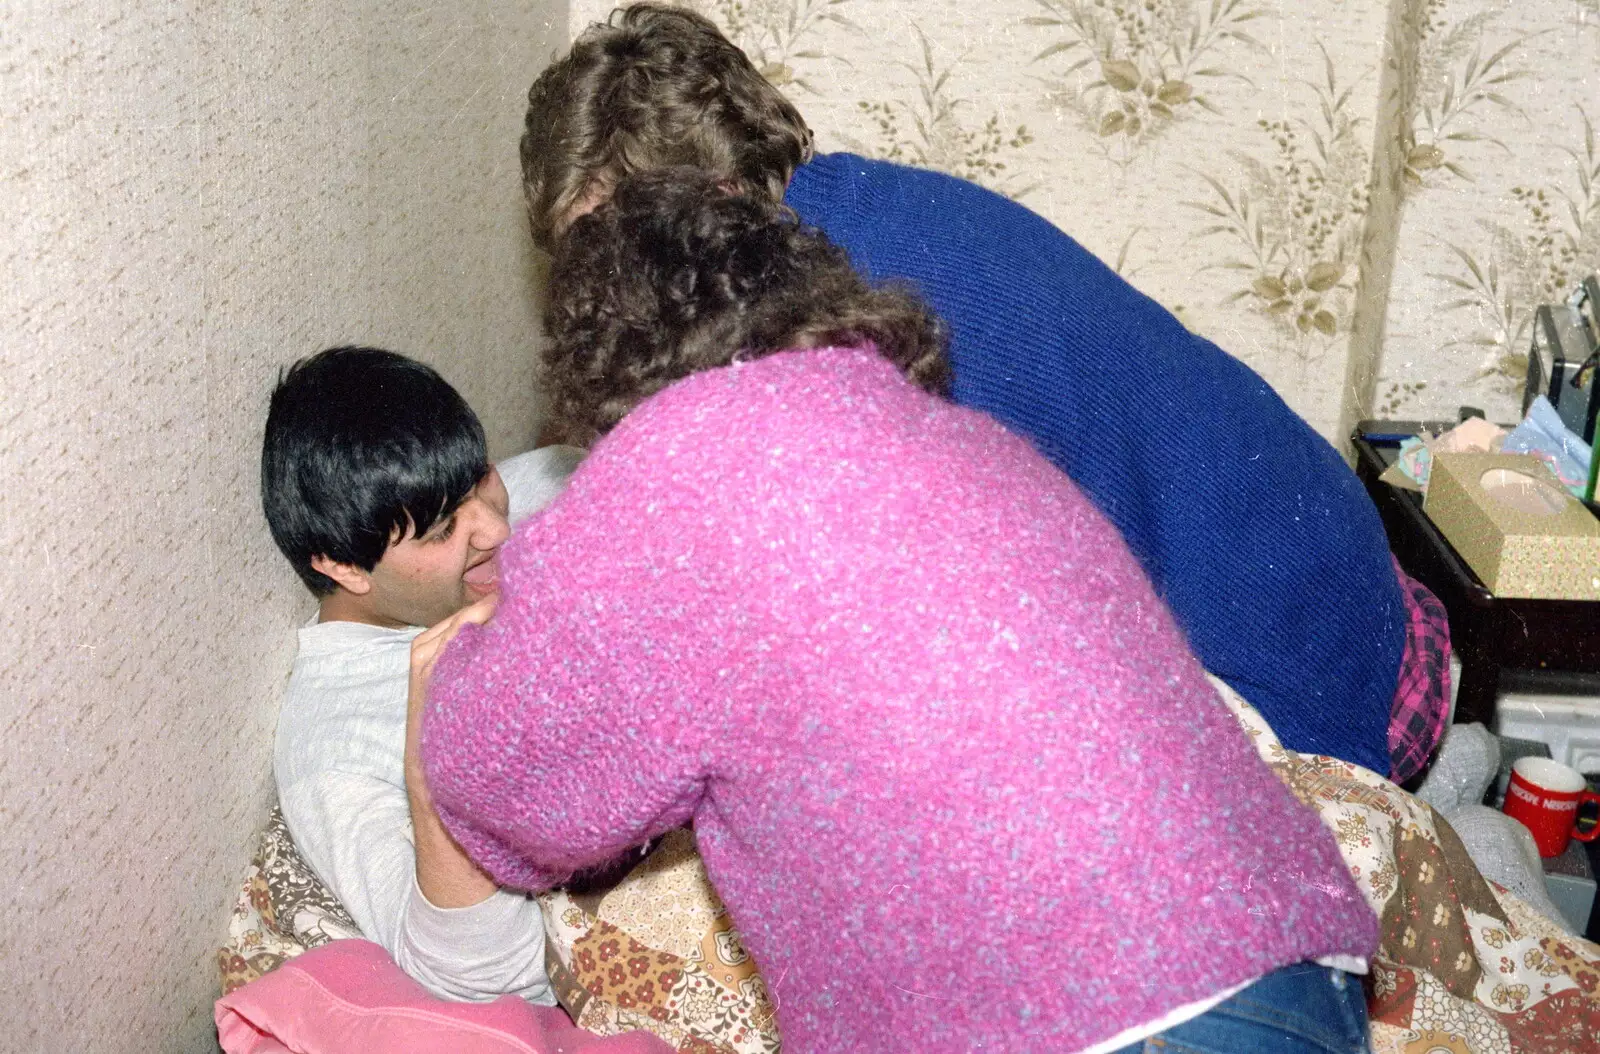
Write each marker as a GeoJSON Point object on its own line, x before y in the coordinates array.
{"type": "Point", "coordinates": [340, 768]}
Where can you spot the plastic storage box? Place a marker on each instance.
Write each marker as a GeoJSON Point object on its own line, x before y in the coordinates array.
{"type": "Point", "coordinates": [1569, 724]}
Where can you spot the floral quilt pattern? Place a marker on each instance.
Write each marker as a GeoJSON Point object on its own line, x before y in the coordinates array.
{"type": "Point", "coordinates": [659, 952]}
{"type": "Point", "coordinates": [282, 910]}
{"type": "Point", "coordinates": [1463, 966]}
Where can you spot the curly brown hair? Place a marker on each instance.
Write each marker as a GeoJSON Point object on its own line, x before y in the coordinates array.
{"type": "Point", "coordinates": [654, 86]}
{"type": "Point", "coordinates": [678, 273]}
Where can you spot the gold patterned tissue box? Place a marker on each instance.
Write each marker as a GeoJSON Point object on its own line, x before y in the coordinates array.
{"type": "Point", "coordinates": [1514, 524]}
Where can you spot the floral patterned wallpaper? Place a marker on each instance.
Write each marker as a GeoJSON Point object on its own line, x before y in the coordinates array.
{"type": "Point", "coordinates": [1363, 200]}
{"type": "Point", "coordinates": [1501, 194]}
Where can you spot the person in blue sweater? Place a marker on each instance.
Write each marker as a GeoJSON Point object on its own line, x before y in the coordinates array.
{"type": "Point", "coordinates": [1254, 531]}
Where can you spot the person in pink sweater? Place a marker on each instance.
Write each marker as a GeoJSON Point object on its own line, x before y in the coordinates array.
{"type": "Point", "coordinates": [948, 760]}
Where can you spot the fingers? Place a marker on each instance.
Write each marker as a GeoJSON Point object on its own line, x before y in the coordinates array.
{"type": "Point", "coordinates": [478, 612]}
{"type": "Point", "coordinates": [431, 641]}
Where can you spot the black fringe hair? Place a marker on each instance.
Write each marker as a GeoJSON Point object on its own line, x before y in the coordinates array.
{"type": "Point", "coordinates": [362, 447]}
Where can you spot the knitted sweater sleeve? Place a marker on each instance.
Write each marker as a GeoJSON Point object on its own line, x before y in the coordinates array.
{"type": "Point", "coordinates": [554, 740]}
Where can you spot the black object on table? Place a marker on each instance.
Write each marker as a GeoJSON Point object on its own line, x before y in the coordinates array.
{"type": "Point", "coordinates": [1490, 635]}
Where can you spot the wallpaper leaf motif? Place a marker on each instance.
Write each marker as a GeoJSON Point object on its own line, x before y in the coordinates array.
{"type": "Point", "coordinates": [1296, 222]}
{"type": "Point", "coordinates": [1132, 70]}
{"type": "Point", "coordinates": [1537, 261]}
{"type": "Point", "coordinates": [1460, 93]}
{"type": "Point", "coordinates": [1500, 210]}
{"type": "Point", "coordinates": [1266, 236]}
{"type": "Point", "coordinates": [937, 137]}
{"type": "Point", "coordinates": [771, 32]}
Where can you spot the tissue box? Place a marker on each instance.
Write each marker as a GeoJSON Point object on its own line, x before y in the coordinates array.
{"type": "Point", "coordinates": [1514, 524]}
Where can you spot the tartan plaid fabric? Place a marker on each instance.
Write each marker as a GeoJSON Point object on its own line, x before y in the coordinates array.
{"type": "Point", "coordinates": [1422, 697]}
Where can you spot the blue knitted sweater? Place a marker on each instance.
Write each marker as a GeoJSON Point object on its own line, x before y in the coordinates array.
{"type": "Point", "coordinates": [1251, 526]}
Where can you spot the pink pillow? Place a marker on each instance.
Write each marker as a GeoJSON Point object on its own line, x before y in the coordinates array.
{"type": "Point", "coordinates": [349, 995]}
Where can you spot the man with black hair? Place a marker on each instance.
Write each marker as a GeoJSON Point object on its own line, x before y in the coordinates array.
{"type": "Point", "coordinates": [377, 486]}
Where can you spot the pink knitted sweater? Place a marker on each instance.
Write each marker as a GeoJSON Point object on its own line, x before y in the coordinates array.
{"type": "Point", "coordinates": [950, 765]}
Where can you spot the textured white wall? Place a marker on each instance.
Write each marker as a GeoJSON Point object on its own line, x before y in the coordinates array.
{"type": "Point", "coordinates": [193, 193]}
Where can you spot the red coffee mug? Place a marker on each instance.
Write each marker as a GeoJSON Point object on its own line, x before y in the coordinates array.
{"type": "Point", "coordinates": [1545, 795]}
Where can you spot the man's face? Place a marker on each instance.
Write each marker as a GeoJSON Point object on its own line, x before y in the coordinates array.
{"type": "Point", "coordinates": [421, 581]}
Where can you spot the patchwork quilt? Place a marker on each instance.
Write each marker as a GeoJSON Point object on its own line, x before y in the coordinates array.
{"type": "Point", "coordinates": [1464, 967]}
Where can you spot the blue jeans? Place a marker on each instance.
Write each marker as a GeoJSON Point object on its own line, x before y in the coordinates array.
{"type": "Point", "coordinates": [1300, 1009]}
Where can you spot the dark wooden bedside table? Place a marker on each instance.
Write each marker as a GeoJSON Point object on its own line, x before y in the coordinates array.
{"type": "Point", "coordinates": [1490, 635]}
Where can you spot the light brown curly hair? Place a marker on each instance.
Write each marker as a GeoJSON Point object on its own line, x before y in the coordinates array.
{"type": "Point", "coordinates": [678, 273]}
{"type": "Point", "coordinates": [654, 86]}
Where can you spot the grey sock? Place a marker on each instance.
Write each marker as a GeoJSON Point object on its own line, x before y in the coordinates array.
{"type": "Point", "coordinates": [1504, 851]}
{"type": "Point", "coordinates": [1469, 758]}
